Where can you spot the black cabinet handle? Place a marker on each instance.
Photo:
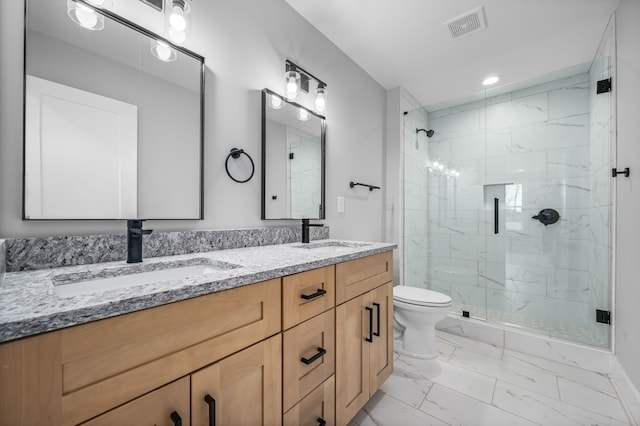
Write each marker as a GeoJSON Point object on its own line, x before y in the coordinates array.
{"type": "Point", "coordinates": [212, 409]}
{"type": "Point", "coordinates": [321, 352]}
{"type": "Point", "coordinates": [370, 338]}
{"type": "Point", "coordinates": [176, 419]}
{"type": "Point", "coordinates": [377, 333]}
{"type": "Point", "coordinates": [318, 293]}
{"type": "Point", "coordinates": [321, 421]}
{"type": "Point", "coordinates": [496, 222]}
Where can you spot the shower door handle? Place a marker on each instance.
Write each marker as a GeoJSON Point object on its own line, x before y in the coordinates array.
{"type": "Point", "coordinates": [496, 217]}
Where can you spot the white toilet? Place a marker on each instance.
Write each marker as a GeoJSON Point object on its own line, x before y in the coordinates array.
{"type": "Point", "coordinates": [415, 314]}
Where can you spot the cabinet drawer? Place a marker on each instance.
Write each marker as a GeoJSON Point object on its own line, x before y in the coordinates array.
{"type": "Point", "coordinates": [358, 276]}
{"type": "Point", "coordinates": [319, 405]}
{"type": "Point", "coordinates": [110, 362]}
{"type": "Point", "coordinates": [303, 366]}
{"type": "Point", "coordinates": [306, 295]}
{"type": "Point", "coordinates": [155, 408]}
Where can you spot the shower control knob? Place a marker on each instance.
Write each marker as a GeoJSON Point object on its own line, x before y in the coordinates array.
{"type": "Point", "coordinates": [547, 216]}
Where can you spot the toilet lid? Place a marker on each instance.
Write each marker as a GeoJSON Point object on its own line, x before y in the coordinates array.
{"type": "Point", "coordinates": [419, 296]}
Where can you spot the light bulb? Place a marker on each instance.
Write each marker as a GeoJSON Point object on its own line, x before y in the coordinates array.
{"type": "Point", "coordinates": [177, 36]}
{"type": "Point", "coordinates": [436, 164]}
{"type": "Point", "coordinates": [320, 99]}
{"type": "Point", "coordinates": [164, 51]}
{"type": "Point", "coordinates": [440, 166]}
{"type": "Point", "coordinates": [292, 84]}
{"type": "Point", "coordinates": [303, 114]}
{"type": "Point", "coordinates": [177, 20]}
{"type": "Point", "coordinates": [276, 102]}
{"type": "Point", "coordinates": [86, 16]}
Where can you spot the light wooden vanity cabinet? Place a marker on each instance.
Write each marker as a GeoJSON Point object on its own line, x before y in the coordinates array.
{"type": "Point", "coordinates": [364, 336]}
{"type": "Point", "coordinates": [310, 348]}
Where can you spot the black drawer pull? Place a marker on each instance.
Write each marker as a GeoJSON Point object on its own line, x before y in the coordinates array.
{"type": "Point", "coordinates": [370, 338]}
{"type": "Point", "coordinates": [321, 421]}
{"type": "Point", "coordinates": [321, 351]}
{"type": "Point", "coordinates": [318, 293]}
{"type": "Point", "coordinates": [212, 409]}
{"type": "Point", "coordinates": [377, 333]}
{"type": "Point", "coordinates": [176, 419]}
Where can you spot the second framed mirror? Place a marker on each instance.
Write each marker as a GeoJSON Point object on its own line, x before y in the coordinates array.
{"type": "Point", "coordinates": [293, 160]}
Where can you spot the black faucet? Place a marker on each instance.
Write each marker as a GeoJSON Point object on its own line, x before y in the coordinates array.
{"type": "Point", "coordinates": [305, 229]}
{"type": "Point", "coordinates": [134, 240]}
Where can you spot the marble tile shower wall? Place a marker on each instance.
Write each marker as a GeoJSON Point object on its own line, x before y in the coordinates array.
{"type": "Point", "coordinates": [602, 131]}
{"type": "Point", "coordinates": [532, 146]}
{"type": "Point", "coordinates": [415, 187]}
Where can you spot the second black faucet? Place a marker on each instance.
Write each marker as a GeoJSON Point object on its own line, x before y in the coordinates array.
{"type": "Point", "coordinates": [134, 240]}
{"type": "Point", "coordinates": [305, 229]}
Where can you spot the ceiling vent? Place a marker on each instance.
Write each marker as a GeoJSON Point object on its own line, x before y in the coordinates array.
{"type": "Point", "coordinates": [467, 23]}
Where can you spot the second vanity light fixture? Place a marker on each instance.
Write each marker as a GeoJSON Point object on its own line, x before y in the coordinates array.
{"type": "Point", "coordinates": [298, 80]}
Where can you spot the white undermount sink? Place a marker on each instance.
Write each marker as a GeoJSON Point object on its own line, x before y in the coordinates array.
{"type": "Point", "coordinates": [69, 285]}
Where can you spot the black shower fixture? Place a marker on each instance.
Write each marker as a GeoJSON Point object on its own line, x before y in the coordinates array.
{"type": "Point", "coordinates": [428, 132]}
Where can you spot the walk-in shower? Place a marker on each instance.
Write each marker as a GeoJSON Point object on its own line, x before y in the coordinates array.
{"type": "Point", "coordinates": [507, 203]}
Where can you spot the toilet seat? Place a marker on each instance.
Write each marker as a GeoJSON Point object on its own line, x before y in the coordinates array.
{"type": "Point", "coordinates": [420, 296]}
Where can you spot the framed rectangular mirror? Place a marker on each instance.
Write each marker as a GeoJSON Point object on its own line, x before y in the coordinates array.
{"type": "Point", "coordinates": [293, 160]}
{"type": "Point", "coordinates": [111, 130]}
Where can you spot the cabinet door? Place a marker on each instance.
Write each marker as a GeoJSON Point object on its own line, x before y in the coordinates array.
{"type": "Point", "coordinates": [352, 357]}
{"type": "Point", "coordinates": [167, 406]}
{"type": "Point", "coordinates": [246, 387]}
{"type": "Point", "coordinates": [381, 349]}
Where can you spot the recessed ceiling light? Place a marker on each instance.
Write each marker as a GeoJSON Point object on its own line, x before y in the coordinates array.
{"type": "Point", "coordinates": [490, 80]}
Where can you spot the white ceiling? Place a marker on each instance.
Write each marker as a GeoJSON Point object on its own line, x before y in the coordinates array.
{"type": "Point", "coordinates": [404, 42]}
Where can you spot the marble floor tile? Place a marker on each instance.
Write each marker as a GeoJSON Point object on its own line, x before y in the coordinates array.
{"type": "Point", "coordinates": [385, 410]}
{"type": "Point", "coordinates": [455, 408]}
{"type": "Point", "coordinates": [546, 411]}
{"type": "Point", "coordinates": [460, 379]}
{"type": "Point", "coordinates": [406, 385]}
{"type": "Point", "coordinates": [477, 384]}
{"type": "Point", "coordinates": [525, 377]}
{"type": "Point", "coordinates": [591, 399]}
{"type": "Point", "coordinates": [575, 374]}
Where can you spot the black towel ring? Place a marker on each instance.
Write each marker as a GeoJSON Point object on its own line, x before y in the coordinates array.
{"type": "Point", "coordinates": [235, 154]}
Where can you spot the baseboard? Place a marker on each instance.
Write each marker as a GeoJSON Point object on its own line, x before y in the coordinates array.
{"type": "Point", "coordinates": [627, 392]}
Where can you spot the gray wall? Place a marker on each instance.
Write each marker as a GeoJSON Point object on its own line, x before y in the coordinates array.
{"type": "Point", "coordinates": [245, 44]}
{"type": "Point", "coordinates": [627, 313]}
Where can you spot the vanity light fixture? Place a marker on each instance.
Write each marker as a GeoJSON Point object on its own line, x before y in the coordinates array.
{"type": "Point", "coordinates": [161, 50]}
{"type": "Point", "coordinates": [298, 80]}
{"type": "Point", "coordinates": [85, 15]}
{"type": "Point", "coordinates": [490, 80]}
{"type": "Point", "coordinates": [177, 20]}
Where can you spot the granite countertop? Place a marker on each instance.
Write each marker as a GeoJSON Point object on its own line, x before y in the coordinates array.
{"type": "Point", "coordinates": [29, 305]}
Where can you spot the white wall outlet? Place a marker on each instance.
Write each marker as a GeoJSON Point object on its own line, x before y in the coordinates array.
{"type": "Point", "coordinates": [340, 204]}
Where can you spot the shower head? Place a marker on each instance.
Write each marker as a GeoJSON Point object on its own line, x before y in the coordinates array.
{"type": "Point", "coordinates": [428, 132]}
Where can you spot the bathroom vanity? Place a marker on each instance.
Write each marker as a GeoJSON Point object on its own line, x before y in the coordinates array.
{"type": "Point", "coordinates": [299, 336]}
